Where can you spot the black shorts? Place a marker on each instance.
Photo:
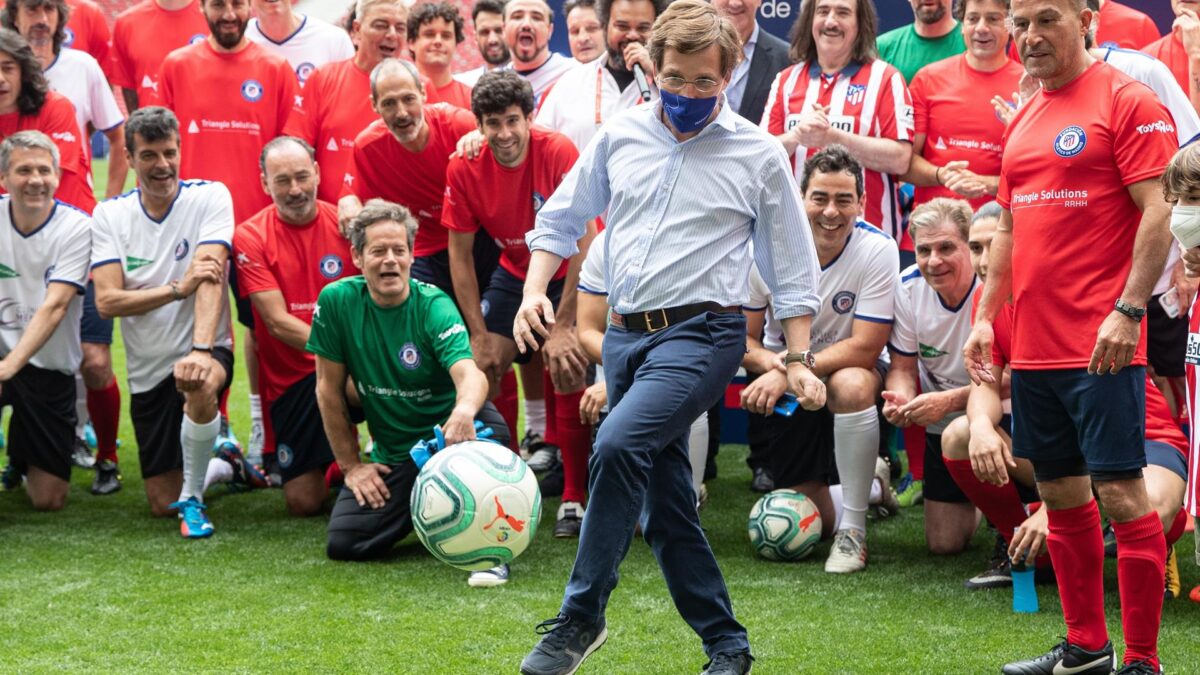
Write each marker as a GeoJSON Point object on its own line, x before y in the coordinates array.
{"type": "Point", "coordinates": [1063, 416]}
{"type": "Point", "coordinates": [501, 300]}
{"type": "Point", "coordinates": [93, 329]}
{"type": "Point", "coordinates": [435, 268]}
{"type": "Point", "coordinates": [245, 310]}
{"type": "Point", "coordinates": [939, 484]}
{"type": "Point", "coordinates": [157, 416]}
{"type": "Point", "coordinates": [41, 431]}
{"type": "Point", "coordinates": [798, 448]}
{"type": "Point", "coordinates": [1166, 340]}
{"type": "Point", "coordinates": [299, 434]}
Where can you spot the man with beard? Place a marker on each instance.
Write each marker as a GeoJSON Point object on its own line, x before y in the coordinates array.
{"type": "Point", "coordinates": [336, 101]}
{"type": "Point", "coordinates": [434, 31]}
{"type": "Point", "coordinates": [488, 17]}
{"type": "Point", "coordinates": [528, 25]}
{"type": "Point", "coordinates": [588, 96]}
{"type": "Point", "coordinates": [285, 255]}
{"type": "Point", "coordinates": [305, 41]}
{"type": "Point", "coordinates": [933, 35]}
{"type": "Point", "coordinates": [142, 37]}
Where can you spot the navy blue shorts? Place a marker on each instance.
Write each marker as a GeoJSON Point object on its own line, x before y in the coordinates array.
{"type": "Point", "coordinates": [435, 267]}
{"type": "Point", "coordinates": [93, 329]}
{"type": "Point", "coordinates": [1064, 415]}
{"type": "Point", "coordinates": [501, 300]}
{"type": "Point", "coordinates": [1166, 456]}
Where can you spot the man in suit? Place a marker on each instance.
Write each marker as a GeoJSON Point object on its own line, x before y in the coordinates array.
{"type": "Point", "coordinates": [765, 56]}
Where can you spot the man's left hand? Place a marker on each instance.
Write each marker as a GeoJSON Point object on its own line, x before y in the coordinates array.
{"type": "Point", "coordinates": [636, 52]}
{"type": "Point", "coordinates": [1116, 342]}
{"type": "Point", "coordinates": [459, 427]}
{"type": "Point", "coordinates": [808, 388]}
{"type": "Point", "coordinates": [565, 359]}
{"type": "Point", "coordinates": [535, 316]}
{"type": "Point", "coordinates": [191, 372]}
{"type": "Point", "coordinates": [926, 409]}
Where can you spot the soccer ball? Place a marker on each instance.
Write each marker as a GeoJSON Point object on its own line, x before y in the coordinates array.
{"type": "Point", "coordinates": [784, 525]}
{"type": "Point", "coordinates": [476, 505]}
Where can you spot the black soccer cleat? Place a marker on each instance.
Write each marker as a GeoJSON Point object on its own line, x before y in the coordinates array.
{"type": "Point", "coordinates": [565, 643]}
{"type": "Point", "coordinates": [108, 478]}
{"type": "Point", "coordinates": [729, 663]}
{"type": "Point", "coordinates": [1143, 667]}
{"type": "Point", "coordinates": [1065, 659]}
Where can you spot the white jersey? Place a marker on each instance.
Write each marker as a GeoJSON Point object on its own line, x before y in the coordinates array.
{"type": "Point", "coordinates": [78, 76]}
{"type": "Point", "coordinates": [471, 77]}
{"type": "Point", "coordinates": [1156, 75]}
{"type": "Point", "coordinates": [544, 76]}
{"type": "Point", "coordinates": [314, 44]}
{"type": "Point", "coordinates": [934, 333]}
{"type": "Point", "coordinates": [155, 253]}
{"type": "Point", "coordinates": [858, 285]}
{"type": "Point", "coordinates": [56, 252]}
{"type": "Point", "coordinates": [583, 99]}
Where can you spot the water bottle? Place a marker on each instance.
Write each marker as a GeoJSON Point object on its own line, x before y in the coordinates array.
{"type": "Point", "coordinates": [1025, 600]}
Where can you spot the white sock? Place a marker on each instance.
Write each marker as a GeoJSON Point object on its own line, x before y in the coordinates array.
{"type": "Point", "coordinates": [255, 409]}
{"type": "Point", "coordinates": [81, 411]}
{"type": "Point", "coordinates": [219, 471]}
{"type": "Point", "coordinates": [835, 495]}
{"type": "Point", "coordinates": [876, 493]}
{"type": "Point", "coordinates": [535, 416]}
{"type": "Point", "coordinates": [197, 442]}
{"type": "Point", "coordinates": [698, 450]}
{"type": "Point", "coordinates": [855, 447]}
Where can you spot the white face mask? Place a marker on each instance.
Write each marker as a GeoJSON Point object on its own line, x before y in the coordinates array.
{"type": "Point", "coordinates": [1185, 225]}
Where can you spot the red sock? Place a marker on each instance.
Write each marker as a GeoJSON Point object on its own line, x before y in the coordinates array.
{"type": "Point", "coordinates": [223, 404]}
{"type": "Point", "coordinates": [1077, 548]}
{"type": "Point", "coordinates": [914, 447]}
{"type": "Point", "coordinates": [551, 435]}
{"type": "Point", "coordinates": [104, 407]}
{"type": "Point", "coordinates": [1141, 564]}
{"type": "Point", "coordinates": [333, 476]}
{"type": "Point", "coordinates": [575, 440]}
{"type": "Point", "coordinates": [506, 403]}
{"type": "Point", "coordinates": [1177, 528]}
{"type": "Point", "coordinates": [1002, 505]}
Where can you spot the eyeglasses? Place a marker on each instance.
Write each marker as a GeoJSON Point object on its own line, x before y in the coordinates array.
{"type": "Point", "coordinates": [702, 85]}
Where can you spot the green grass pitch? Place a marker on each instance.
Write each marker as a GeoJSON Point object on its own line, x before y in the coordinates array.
{"type": "Point", "coordinates": [103, 587]}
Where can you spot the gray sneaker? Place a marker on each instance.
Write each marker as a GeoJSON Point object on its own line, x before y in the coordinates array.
{"type": "Point", "coordinates": [849, 552]}
{"type": "Point", "coordinates": [565, 643]}
{"type": "Point", "coordinates": [729, 663]}
{"type": "Point", "coordinates": [81, 455]}
{"type": "Point", "coordinates": [494, 576]}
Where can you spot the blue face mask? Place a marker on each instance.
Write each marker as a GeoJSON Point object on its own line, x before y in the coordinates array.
{"type": "Point", "coordinates": [687, 114]}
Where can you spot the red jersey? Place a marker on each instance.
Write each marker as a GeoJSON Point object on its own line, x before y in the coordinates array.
{"type": "Point", "coordinates": [503, 201]}
{"type": "Point", "coordinates": [1169, 49]}
{"type": "Point", "coordinates": [332, 109]}
{"type": "Point", "coordinates": [383, 168]}
{"type": "Point", "coordinates": [87, 30]}
{"type": "Point", "coordinates": [456, 94]}
{"type": "Point", "coordinates": [297, 261]}
{"type": "Point", "coordinates": [1124, 27]}
{"type": "Point", "coordinates": [1069, 156]}
{"type": "Point", "coordinates": [57, 120]}
{"type": "Point", "coordinates": [869, 100]}
{"type": "Point", "coordinates": [143, 35]}
{"type": "Point", "coordinates": [952, 109]}
{"type": "Point", "coordinates": [229, 105]}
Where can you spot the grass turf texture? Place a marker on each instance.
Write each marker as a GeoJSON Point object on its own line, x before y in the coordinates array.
{"type": "Point", "coordinates": [103, 587]}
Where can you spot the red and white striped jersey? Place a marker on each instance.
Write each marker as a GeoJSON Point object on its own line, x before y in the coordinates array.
{"type": "Point", "coordinates": [1191, 500]}
{"type": "Point", "coordinates": [868, 99]}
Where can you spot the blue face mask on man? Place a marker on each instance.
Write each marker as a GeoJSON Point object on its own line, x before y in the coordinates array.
{"type": "Point", "coordinates": [685, 113]}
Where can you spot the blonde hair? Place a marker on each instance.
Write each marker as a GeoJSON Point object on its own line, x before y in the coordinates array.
{"type": "Point", "coordinates": [690, 26]}
{"type": "Point", "coordinates": [1182, 174]}
{"type": "Point", "coordinates": [937, 211]}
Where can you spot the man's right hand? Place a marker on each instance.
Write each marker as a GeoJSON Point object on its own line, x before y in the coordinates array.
{"type": "Point", "coordinates": [347, 208]}
{"type": "Point", "coordinates": [1187, 25]}
{"type": "Point", "coordinates": [487, 356]}
{"type": "Point", "coordinates": [203, 268]}
{"type": "Point", "coordinates": [594, 399]}
{"type": "Point", "coordinates": [366, 482]}
{"type": "Point", "coordinates": [536, 315]}
{"type": "Point", "coordinates": [1030, 537]}
{"type": "Point", "coordinates": [991, 457]}
{"type": "Point", "coordinates": [760, 396]}
{"type": "Point", "coordinates": [977, 352]}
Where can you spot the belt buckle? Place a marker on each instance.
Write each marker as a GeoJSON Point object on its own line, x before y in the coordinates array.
{"type": "Point", "coordinates": [647, 316]}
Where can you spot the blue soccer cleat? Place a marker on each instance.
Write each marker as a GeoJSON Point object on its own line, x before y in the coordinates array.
{"type": "Point", "coordinates": [193, 523]}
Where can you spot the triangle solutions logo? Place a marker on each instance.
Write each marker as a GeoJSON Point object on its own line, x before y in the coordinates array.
{"type": "Point", "coordinates": [7, 272]}
{"type": "Point", "coordinates": [193, 128]}
{"type": "Point", "coordinates": [132, 263]}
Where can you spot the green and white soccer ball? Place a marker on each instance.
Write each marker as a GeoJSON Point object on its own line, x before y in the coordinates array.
{"type": "Point", "coordinates": [476, 505]}
{"type": "Point", "coordinates": [784, 525]}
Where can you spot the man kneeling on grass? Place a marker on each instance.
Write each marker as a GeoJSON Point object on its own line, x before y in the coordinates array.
{"type": "Point", "coordinates": [403, 344]}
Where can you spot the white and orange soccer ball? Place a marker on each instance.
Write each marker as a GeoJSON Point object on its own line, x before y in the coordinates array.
{"type": "Point", "coordinates": [476, 505]}
{"type": "Point", "coordinates": [784, 525]}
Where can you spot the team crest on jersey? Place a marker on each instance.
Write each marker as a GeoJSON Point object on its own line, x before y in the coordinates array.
{"type": "Point", "coordinates": [285, 455]}
{"type": "Point", "coordinates": [855, 93]}
{"type": "Point", "coordinates": [252, 91]}
{"type": "Point", "coordinates": [47, 274]}
{"type": "Point", "coordinates": [410, 358]}
{"type": "Point", "coordinates": [538, 201]}
{"type": "Point", "coordinates": [843, 302]}
{"type": "Point", "coordinates": [1070, 142]}
{"type": "Point", "coordinates": [484, 306]}
{"type": "Point", "coordinates": [303, 71]}
{"type": "Point", "coordinates": [198, 37]}
{"type": "Point", "coordinates": [68, 37]}
{"type": "Point", "coordinates": [181, 249]}
{"type": "Point", "coordinates": [331, 266]}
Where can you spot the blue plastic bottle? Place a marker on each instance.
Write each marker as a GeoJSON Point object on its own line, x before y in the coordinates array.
{"type": "Point", "coordinates": [1025, 600]}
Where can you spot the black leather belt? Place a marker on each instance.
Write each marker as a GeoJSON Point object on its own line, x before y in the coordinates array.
{"type": "Point", "coordinates": [657, 319]}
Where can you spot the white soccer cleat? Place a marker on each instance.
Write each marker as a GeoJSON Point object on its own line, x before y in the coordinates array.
{"type": "Point", "coordinates": [496, 576]}
{"type": "Point", "coordinates": [849, 552]}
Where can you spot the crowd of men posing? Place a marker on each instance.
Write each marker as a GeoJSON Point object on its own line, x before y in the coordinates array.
{"type": "Point", "coordinates": [369, 208]}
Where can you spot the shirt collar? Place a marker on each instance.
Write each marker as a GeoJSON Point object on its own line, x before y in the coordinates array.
{"type": "Point", "coordinates": [851, 69]}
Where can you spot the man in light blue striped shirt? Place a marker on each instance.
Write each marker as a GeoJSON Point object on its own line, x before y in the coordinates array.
{"type": "Point", "coordinates": [688, 185]}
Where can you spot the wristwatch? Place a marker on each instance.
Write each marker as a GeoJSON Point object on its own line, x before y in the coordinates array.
{"type": "Point", "coordinates": [1135, 313]}
{"type": "Point", "coordinates": [201, 347]}
{"type": "Point", "coordinates": [806, 357]}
